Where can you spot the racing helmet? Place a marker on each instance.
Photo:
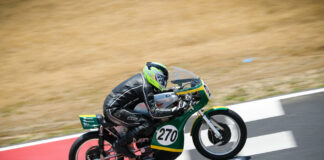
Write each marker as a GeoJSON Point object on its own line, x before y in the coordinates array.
{"type": "Point", "coordinates": [156, 74]}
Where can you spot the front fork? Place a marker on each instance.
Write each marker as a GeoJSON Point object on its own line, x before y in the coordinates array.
{"type": "Point", "coordinates": [211, 125]}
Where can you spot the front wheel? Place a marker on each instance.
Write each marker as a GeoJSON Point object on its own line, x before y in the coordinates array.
{"type": "Point", "coordinates": [86, 148]}
{"type": "Point", "coordinates": [233, 131]}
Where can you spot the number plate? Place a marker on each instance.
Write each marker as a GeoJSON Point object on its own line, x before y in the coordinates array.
{"type": "Point", "coordinates": [89, 121]}
{"type": "Point", "coordinates": [167, 135]}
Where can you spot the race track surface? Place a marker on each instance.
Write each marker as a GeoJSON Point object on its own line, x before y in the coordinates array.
{"type": "Point", "coordinates": [294, 131]}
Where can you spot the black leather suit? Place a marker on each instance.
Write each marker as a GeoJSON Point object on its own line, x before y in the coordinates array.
{"type": "Point", "coordinates": [119, 105]}
{"type": "Point", "coordinates": [127, 95]}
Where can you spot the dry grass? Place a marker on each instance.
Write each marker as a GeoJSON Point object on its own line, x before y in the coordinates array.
{"type": "Point", "coordinates": [59, 59]}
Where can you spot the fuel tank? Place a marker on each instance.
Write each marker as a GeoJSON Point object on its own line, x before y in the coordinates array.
{"type": "Point", "coordinates": [162, 100]}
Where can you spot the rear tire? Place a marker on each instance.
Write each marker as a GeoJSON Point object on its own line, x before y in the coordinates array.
{"type": "Point", "coordinates": [231, 154]}
{"type": "Point", "coordinates": [73, 154]}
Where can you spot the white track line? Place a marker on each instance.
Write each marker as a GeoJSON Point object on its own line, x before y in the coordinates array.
{"type": "Point", "coordinates": [40, 142]}
{"type": "Point", "coordinates": [256, 110]}
{"type": "Point", "coordinates": [269, 143]}
{"type": "Point", "coordinates": [266, 108]}
{"type": "Point", "coordinates": [298, 94]}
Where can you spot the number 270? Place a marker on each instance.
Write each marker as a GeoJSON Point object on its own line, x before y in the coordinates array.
{"type": "Point", "coordinates": [173, 133]}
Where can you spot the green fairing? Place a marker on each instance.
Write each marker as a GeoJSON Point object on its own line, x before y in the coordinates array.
{"type": "Point", "coordinates": [180, 122]}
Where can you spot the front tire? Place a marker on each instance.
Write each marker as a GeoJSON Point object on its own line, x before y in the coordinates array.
{"type": "Point", "coordinates": [234, 135]}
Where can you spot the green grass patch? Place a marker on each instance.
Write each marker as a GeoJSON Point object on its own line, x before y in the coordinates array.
{"type": "Point", "coordinates": [239, 95]}
{"type": "Point", "coordinates": [321, 86]}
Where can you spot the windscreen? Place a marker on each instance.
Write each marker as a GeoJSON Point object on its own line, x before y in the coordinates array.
{"type": "Point", "coordinates": [181, 77]}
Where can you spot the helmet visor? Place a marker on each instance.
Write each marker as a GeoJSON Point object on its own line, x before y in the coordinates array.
{"type": "Point", "coordinates": [161, 79]}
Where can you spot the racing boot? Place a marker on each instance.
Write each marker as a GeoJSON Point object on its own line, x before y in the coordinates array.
{"type": "Point", "coordinates": [120, 146]}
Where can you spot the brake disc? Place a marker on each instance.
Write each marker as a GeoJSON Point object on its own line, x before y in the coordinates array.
{"type": "Point", "coordinates": [226, 135]}
{"type": "Point", "coordinates": [93, 153]}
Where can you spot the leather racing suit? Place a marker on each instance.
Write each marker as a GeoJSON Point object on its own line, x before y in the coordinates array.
{"type": "Point", "coordinates": [119, 104]}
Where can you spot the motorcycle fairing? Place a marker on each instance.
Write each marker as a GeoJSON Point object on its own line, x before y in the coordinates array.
{"type": "Point", "coordinates": [179, 123]}
{"type": "Point", "coordinates": [177, 145]}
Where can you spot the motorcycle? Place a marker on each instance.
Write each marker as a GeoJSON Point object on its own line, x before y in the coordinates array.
{"type": "Point", "coordinates": [217, 132]}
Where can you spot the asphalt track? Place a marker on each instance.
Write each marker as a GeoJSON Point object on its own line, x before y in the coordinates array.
{"type": "Point", "coordinates": [304, 117]}
{"type": "Point", "coordinates": [284, 127]}
{"type": "Point", "coordinates": [297, 133]}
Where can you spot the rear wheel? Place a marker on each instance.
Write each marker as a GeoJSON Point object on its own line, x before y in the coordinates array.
{"type": "Point", "coordinates": [232, 129]}
{"type": "Point", "coordinates": [86, 148]}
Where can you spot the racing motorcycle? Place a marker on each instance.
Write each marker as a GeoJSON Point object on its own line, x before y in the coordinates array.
{"type": "Point", "coordinates": [217, 132]}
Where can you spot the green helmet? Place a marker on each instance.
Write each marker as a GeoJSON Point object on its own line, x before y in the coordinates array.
{"type": "Point", "coordinates": [156, 74]}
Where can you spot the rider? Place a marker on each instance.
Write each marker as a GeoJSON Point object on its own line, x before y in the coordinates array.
{"type": "Point", "coordinates": [119, 104]}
